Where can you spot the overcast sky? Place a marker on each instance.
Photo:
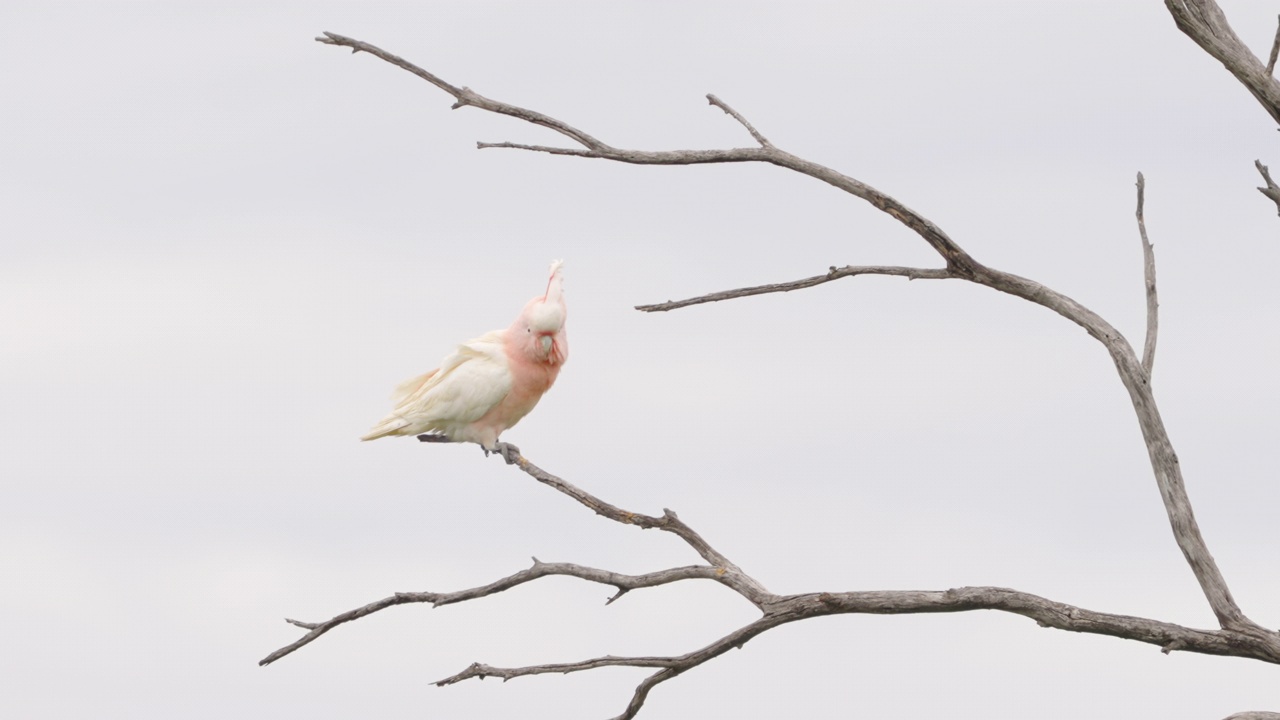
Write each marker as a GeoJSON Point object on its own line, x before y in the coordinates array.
{"type": "Point", "coordinates": [222, 244]}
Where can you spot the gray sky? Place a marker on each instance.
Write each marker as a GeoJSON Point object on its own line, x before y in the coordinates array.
{"type": "Point", "coordinates": [223, 244]}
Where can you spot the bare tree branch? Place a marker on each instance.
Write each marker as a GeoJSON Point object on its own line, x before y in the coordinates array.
{"type": "Point", "coordinates": [1271, 190]}
{"type": "Point", "coordinates": [729, 573]}
{"type": "Point", "coordinates": [624, 584]}
{"type": "Point", "coordinates": [464, 96]}
{"type": "Point", "coordinates": [781, 610]}
{"type": "Point", "coordinates": [1254, 716]}
{"type": "Point", "coordinates": [540, 148]}
{"type": "Point", "coordinates": [1205, 23]}
{"type": "Point", "coordinates": [1149, 275]}
{"type": "Point", "coordinates": [834, 273]}
{"type": "Point", "coordinates": [1047, 613]}
{"type": "Point", "coordinates": [736, 116]}
{"type": "Point", "coordinates": [956, 258]}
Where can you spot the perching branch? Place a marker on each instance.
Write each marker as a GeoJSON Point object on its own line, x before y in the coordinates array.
{"type": "Point", "coordinates": [730, 574]}
{"type": "Point", "coordinates": [1149, 276]}
{"type": "Point", "coordinates": [1237, 634]}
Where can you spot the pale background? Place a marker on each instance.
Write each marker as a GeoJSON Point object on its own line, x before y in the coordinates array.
{"type": "Point", "coordinates": [222, 244]}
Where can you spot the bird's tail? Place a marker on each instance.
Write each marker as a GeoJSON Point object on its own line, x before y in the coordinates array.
{"type": "Point", "coordinates": [389, 426]}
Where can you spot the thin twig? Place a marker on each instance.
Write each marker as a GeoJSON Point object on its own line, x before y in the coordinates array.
{"type": "Point", "coordinates": [465, 96]}
{"type": "Point", "coordinates": [1149, 275]}
{"type": "Point", "coordinates": [482, 671]}
{"type": "Point", "coordinates": [834, 273]}
{"type": "Point", "coordinates": [1275, 52]}
{"type": "Point", "coordinates": [539, 148]}
{"type": "Point", "coordinates": [1271, 190]}
{"type": "Point", "coordinates": [764, 142]}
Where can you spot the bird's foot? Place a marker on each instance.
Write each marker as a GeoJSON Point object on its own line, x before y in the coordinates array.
{"type": "Point", "coordinates": [509, 452]}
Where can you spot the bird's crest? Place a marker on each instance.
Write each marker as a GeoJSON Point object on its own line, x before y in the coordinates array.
{"type": "Point", "coordinates": [555, 283]}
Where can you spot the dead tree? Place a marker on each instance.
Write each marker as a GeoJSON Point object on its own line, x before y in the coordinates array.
{"type": "Point", "coordinates": [1236, 635]}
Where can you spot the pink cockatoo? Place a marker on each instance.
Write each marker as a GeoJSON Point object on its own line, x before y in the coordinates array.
{"type": "Point", "coordinates": [488, 384]}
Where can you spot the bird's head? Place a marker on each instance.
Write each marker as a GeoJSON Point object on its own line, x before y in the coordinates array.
{"type": "Point", "coordinates": [542, 320]}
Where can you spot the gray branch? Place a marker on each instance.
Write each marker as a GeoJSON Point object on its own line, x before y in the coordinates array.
{"type": "Point", "coordinates": [464, 96]}
{"type": "Point", "coordinates": [1205, 23]}
{"type": "Point", "coordinates": [834, 273]}
{"type": "Point", "coordinates": [741, 120]}
{"type": "Point", "coordinates": [1254, 716]}
{"type": "Point", "coordinates": [1149, 276]}
{"type": "Point", "coordinates": [624, 584]}
{"type": "Point", "coordinates": [779, 610]}
{"type": "Point", "coordinates": [1271, 190]}
{"type": "Point", "coordinates": [728, 573]}
{"type": "Point", "coordinates": [956, 258]}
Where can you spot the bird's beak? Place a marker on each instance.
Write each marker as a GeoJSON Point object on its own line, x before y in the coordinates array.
{"type": "Point", "coordinates": [545, 341]}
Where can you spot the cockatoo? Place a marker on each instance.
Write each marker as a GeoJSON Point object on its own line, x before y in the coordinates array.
{"type": "Point", "coordinates": [488, 384]}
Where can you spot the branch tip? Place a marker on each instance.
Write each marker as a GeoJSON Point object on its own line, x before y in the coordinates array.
{"type": "Point", "coordinates": [1272, 191]}
{"type": "Point", "coordinates": [713, 100]}
{"type": "Point", "coordinates": [1275, 51]}
{"type": "Point", "coordinates": [1149, 281]}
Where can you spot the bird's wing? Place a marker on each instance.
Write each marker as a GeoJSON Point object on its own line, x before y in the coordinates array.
{"type": "Point", "coordinates": [406, 389]}
{"type": "Point", "coordinates": [466, 386]}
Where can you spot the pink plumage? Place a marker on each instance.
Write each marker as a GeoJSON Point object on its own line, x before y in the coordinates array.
{"type": "Point", "coordinates": [488, 384]}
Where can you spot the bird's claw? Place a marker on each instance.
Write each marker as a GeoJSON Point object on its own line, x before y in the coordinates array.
{"type": "Point", "coordinates": [509, 452]}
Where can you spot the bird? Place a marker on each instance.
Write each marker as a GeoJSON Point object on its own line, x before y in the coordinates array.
{"type": "Point", "coordinates": [487, 384]}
